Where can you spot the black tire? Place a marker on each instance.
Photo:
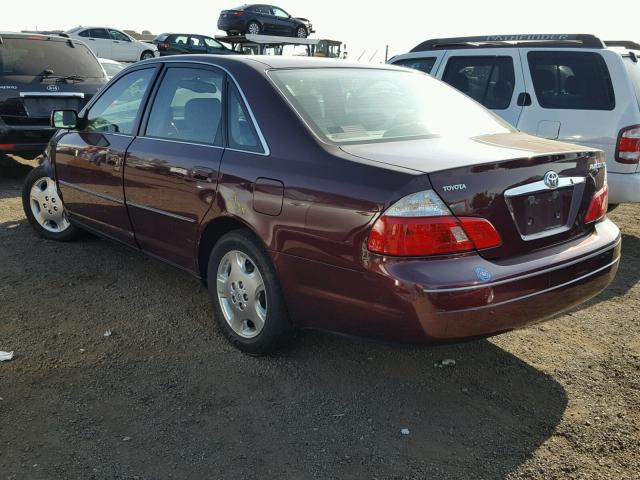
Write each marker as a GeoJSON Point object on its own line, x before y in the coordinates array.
{"type": "Point", "coordinates": [147, 55]}
{"type": "Point", "coordinates": [301, 32]}
{"type": "Point", "coordinates": [259, 27]}
{"type": "Point", "coordinates": [69, 232]}
{"type": "Point", "coordinates": [277, 330]}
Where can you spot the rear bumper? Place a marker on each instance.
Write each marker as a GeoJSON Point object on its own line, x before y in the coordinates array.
{"type": "Point", "coordinates": [624, 187]}
{"type": "Point", "coordinates": [437, 300]}
{"type": "Point", "coordinates": [231, 24]}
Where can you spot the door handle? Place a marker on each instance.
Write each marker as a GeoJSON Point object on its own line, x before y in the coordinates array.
{"type": "Point", "coordinates": [202, 174]}
{"type": "Point", "coordinates": [524, 100]}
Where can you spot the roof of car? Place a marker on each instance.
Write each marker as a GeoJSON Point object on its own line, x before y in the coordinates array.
{"type": "Point", "coordinates": [54, 37]}
{"type": "Point", "coordinates": [264, 62]}
{"type": "Point", "coordinates": [512, 41]}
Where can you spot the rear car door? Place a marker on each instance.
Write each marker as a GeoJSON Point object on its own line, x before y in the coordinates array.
{"type": "Point", "coordinates": [99, 41]}
{"type": "Point", "coordinates": [171, 169]}
{"type": "Point", "coordinates": [89, 161]}
{"type": "Point", "coordinates": [492, 77]}
{"type": "Point", "coordinates": [196, 44]}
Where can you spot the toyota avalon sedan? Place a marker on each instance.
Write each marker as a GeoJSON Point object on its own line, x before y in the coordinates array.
{"type": "Point", "coordinates": [314, 193]}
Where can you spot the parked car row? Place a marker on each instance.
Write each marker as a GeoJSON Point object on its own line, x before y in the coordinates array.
{"type": "Point", "coordinates": [114, 44]}
{"type": "Point", "coordinates": [573, 88]}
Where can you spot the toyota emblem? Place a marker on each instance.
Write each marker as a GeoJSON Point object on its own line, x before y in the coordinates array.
{"type": "Point", "coordinates": [551, 179]}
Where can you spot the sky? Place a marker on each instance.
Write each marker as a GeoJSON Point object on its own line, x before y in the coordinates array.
{"type": "Point", "coordinates": [364, 26]}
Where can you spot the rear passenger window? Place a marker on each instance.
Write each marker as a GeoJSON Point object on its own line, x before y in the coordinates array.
{"type": "Point", "coordinates": [488, 80]}
{"type": "Point", "coordinates": [423, 64]}
{"type": "Point", "coordinates": [188, 107]}
{"type": "Point", "coordinates": [242, 133]}
{"type": "Point", "coordinates": [571, 80]}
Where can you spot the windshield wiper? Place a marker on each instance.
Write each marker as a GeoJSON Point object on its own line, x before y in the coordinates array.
{"type": "Point", "coordinates": [48, 73]}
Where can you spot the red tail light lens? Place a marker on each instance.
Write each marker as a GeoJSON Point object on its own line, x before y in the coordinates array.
{"type": "Point", "coordinates": [598, 206]}
{"type": "Point", "coordinates": [238, 14]}
{"type": "Point", "coordinates": [628, 147]}
{"type": "Point", "coordinates": [420, 225]}
{"type": "Point", "coordinates": [7, 146]}
{"type": "Point", "coordinates": [163, 46]}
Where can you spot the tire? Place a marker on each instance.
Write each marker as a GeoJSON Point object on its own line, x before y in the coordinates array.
{"type": "Point", "coordinates": [301, 32]}
{"type": "Point", "coordinates": [255, 26]}
{"type": "Point", "coordinates": [245, 292]}
{"type": "Point", "coordinates": [147, 55]}
{"type": "Point", "coordinates": [44, 209]}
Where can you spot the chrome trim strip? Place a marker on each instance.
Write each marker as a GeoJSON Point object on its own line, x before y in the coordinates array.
{"type": "Point", "coordinates": [525, 276]}
{"type": "Point", "coordinates": [91, 192]}
{"type": "Point", "coordinates": [182, 142]}
{"type": "Point", "coordinates": [263, 141]}
{"type": "Point", "coordinates": [161, 212]}
{"type": "Point", "coordinates": [52, 94]}
{"type": "Point", "coordinates": [546, 290]}
{"type": "Point", "coordinates": [540, 186]}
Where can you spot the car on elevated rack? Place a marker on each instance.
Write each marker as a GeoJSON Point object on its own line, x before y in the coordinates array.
{"type": "Point", "coordinates": [318, 193]}
{"type": "Point", "coordinates": [39, 74]}
{"type": "Point", "coordinates": [575, 88]}
{"type": "Point", "coordinates": [183, 43]}
{"type": "Point", "coordinates": [114, 44]}
{"type": "Point", "coordinates": [263, 19]}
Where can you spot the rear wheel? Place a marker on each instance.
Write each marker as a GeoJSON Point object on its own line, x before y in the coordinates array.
{"type": "Point", "coordinates": [44, 208]}
{"type": "Point", "coordinates": [301, 32]}
{"type": "Point", "coordinates": [246, 295]}
{"type": "Point", "coordinates": [253, 28]}
{"type": "Point", "coordinates": [146, 55]}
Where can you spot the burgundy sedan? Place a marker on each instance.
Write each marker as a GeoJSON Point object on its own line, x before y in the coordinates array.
{"type": "Point", "coordinates": [371, 200]}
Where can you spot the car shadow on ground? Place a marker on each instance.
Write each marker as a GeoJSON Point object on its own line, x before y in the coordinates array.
{"type": "Point", "coordinates": [11, 168]}
{"type": "Point", "coordinates": [165, 396]}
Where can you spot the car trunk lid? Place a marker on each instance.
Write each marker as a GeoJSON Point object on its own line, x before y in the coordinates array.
{"type": "Point", "coordinates": [535, 192]}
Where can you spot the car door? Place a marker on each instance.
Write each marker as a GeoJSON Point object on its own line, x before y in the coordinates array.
{"type": "Point", "coordinates": [89, 161]}
{"type": "Point", "coordinates": [491, 76]}
{"type": "Point", "coordinates": [97, 39]}
{"type": "Point", "coordinates": [171, 169]}
{"type": "Point", "coordinates": [124, 50]}
{"type": "Point", "coordinates": [283, 23]}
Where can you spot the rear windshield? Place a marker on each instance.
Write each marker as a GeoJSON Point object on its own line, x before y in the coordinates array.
{"type": "Point", "coordinates": [634, 74]}
{"type": "Point", "coordinates": [423, 64]}
{"type": "Point", "coordinates": [571, 80]}
{"type": "Point", "coordinates": [365, 105]}
{"type": "Point", "coordinates": [24, 56]}
{"type": "Point", "coordinates": [162, 37]}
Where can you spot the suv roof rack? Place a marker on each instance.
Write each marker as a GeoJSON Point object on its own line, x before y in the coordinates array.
{"type": "Point", "coordinates": [628, 44]}
{"type": "Point", "coordinates": [518, 40]}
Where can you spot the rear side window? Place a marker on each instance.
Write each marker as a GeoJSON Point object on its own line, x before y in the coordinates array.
{"type": "Point", "coordinates": [188, 107]}
{"type": "Point", "coordinates": [181, 40]}
{"type": "Point", "coordinates": [117, 108]}
{"type": "Point", "coordinates": [22, 56]}
{"type": "Point", "coordinates": [633, 68]}
{"type": "Point", "coordinates": [423, 64]}
{"type": "Point", "coordinates": [488, 80]}
{"type": "Point", "coordinates": [85, 33]}
{"type": "Point", "coordinates": [571, 80]}
{"type": "Point", "coordinates": [242, 133]}
{"type": "Point", "coordinates": [99, 33]}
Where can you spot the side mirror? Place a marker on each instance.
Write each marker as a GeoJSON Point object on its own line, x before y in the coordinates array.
{"type": "Point", "coordinates": [67, 119]}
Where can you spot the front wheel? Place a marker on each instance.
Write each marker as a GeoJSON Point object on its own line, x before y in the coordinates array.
{"type": "Point", "coordinates": [44, 209]}
{"type": "Point", "coordinates": [246, 295]}
{"type": "Point", "coordinates": [147, 55]}
{"type": "Point", "coordinates": [301, 32]}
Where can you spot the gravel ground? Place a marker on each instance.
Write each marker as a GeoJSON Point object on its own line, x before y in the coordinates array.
{"type": "Point", "coordinates": [164, 396]}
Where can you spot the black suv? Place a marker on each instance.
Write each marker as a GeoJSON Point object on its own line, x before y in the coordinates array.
{"type": "Point", "coordinates": [39, 74]}
{"type": "Point", "coordinates": [263, 19]}
{"type": "Point", "coordinates": [181, 43]}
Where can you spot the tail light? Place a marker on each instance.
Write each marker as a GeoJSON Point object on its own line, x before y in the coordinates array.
{"type": "Point", "coordinates": [238, 14]}
{"type": "Point", "coordinates": [7, 146]}
{"type": "Point", "coordinates": [628, 147]}
{"type": "Point", "coordinates": [598, 206]}
{"type": "Point", "coordinates": [421, 224]}
{"type": "Point", "coordinates": [163, 46]}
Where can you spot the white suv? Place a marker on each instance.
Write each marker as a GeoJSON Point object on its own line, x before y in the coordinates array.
{"type": "Point", "coordinates": [574, 88]}
{"type": "Point", "coordinates": [113, 44]}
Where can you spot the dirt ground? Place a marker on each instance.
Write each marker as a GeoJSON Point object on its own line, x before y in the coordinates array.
{"type": "Point", "coordinates": [164, 396]}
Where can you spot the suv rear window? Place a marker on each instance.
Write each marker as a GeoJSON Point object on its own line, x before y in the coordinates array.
{"type": "Point", "coordinates": [25, 56]}
{"type": "Point", "coordinates": [423, 64]}
{"type": "Point", "coordinates": [488, 80]}
{"type": "Point", "coordinates": [571, 80]}
{"type": "Point", "coordinates": [634, 74]}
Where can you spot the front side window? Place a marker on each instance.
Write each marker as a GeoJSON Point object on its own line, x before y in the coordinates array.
{"type": "Point", "coordinates": [211, 43]}
{"type": "Point", "coordinates": [366, 105]}
{"type": "Point", "coordinates": [571, 80]}
{"type": "Point", "coordinates": [279, 12]}
{"type": "Point", "coordinates": [188, 107]}
{"type": "Point", "coordinates": [118, 35]}
{"type": "Point", "coordinates": [118, 107]}
{"type": "Point", "coordinates": [423, 64]}
{"type": "Point", "coordinates": [488, 80]}
{"type": "Point", "coordinates": [242, 134]}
